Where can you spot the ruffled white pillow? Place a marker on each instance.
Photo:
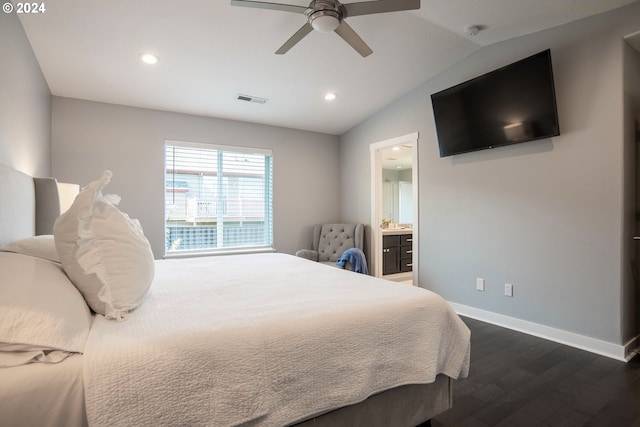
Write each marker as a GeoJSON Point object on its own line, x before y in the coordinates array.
{"type": "Point", "coordinates": [104, 252]}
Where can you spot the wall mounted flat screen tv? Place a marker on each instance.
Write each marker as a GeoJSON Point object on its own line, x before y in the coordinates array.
{"type": "Point", "coordinates": [513, 104]}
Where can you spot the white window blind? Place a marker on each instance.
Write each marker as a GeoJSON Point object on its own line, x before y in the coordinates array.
{"type": "Point", "coordinates": [217, 198]}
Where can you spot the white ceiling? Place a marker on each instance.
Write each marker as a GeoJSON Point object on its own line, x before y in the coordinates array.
{"type": "Point", "coordinates": [397, 158]}
{"type": "Point", "coordinates": [210, 52]}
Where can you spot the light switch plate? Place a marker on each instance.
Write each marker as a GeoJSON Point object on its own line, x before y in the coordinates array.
{"type": "Point", "coordinates": [508, 289]}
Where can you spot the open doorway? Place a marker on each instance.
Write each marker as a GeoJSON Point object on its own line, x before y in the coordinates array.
{"type": "Point", "coordinates": [394, 208]}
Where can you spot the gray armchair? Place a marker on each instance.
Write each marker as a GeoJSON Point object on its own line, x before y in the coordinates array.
{"type": "Point", "coordinates": [331, 240]}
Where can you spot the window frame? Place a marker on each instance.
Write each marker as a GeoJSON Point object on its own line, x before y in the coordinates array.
{"type": "Point", "coordinates": [268, 245]}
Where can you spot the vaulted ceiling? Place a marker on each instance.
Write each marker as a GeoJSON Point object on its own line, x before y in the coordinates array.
{"type": "Point", "coordinates": [210, 52]}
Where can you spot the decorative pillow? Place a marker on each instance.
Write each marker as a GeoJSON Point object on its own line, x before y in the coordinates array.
{"type": "Point", "coordinates": [41, 309]}
{"type": "Point", "coordinates": [37, 246]}
{"type": "Point", "coordinates": [104, 252]}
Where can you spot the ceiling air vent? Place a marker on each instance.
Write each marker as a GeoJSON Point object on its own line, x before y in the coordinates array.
{"type": "Point", "coordinates": [250, 98]}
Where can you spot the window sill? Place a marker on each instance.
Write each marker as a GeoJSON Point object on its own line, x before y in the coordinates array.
{"type": "Point", "coordinates": [236, 251]}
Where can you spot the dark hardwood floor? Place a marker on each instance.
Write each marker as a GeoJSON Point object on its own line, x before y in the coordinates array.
{"type": "Point", "coordinates": [520, 380]}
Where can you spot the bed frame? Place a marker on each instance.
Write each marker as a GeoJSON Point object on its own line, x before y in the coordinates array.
{"type": "Point", "coordinates": [29, 206]}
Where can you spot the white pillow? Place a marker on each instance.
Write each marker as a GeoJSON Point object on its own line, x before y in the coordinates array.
{"type": "Point", "coordinates": [104, 252]}
{"type": "Point", "coordinates": [37, 246]}
{"type": "Point", "coordinates": [41, 309]}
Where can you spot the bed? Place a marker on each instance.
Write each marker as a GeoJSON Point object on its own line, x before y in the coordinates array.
{"type": "Point", "coordinates": [237, 340]}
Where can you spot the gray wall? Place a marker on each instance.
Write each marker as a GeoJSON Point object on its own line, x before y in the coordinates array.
{"type": "Point", "coordinates": [545, 216]}
{"type": "Point", "coordinates": [25, 103]}
{"type": "Point", "coordinates": [88, 137]}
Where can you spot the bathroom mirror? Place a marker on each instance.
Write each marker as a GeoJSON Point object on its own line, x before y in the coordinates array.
{"type": "Point", "coordinates": [397, 192]}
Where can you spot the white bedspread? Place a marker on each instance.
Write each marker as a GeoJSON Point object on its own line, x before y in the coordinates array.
{"type": "Point", "coordinates": [265, 339]}
{"type": "Point", "coordinates": [43, 394]}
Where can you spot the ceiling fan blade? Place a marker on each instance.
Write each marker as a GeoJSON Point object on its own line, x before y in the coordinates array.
{"type": "Point", "coordinates": [380, 6]}
{"type": "Point", "coordinates": [271, 6]}
{"type": "Point", "coordinates": [350, 36]}
{"type": "Point", "coordinates": [299, 35]}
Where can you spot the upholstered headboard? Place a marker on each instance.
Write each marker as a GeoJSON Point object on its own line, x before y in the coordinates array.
{"type": "Point", "coordinates": [28, 206]}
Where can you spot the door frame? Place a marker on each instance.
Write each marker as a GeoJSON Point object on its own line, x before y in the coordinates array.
{"type": "Point", "coordinates": [376, 200]}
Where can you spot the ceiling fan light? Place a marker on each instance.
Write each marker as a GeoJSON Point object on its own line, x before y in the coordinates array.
{"type": "Point", "coordinates": [325, 21]}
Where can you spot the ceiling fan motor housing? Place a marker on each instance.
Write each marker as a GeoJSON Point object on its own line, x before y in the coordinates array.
{"type": "Point", "coordinates": [325, 15]}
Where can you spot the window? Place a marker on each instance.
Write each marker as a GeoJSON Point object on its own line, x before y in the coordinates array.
{"type": "Point", "coordinates": [217, 198]}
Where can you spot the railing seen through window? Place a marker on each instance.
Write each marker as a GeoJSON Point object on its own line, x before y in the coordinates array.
{"type": "Point", "coordinates": [217, 198]}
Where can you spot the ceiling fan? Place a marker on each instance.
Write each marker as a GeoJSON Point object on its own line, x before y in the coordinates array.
{"type": "Point", "coordinates": [329, 15]}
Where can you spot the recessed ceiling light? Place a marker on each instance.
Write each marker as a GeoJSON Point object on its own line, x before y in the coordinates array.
{"type": "Point", "coordinates": [330, 96]}
{"type": "Point", "coordinates": [149, 58]}
{"type": "Point", "coordinates": [396, 148]}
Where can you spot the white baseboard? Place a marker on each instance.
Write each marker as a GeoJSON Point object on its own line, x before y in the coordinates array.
{"type": "Point", "coordinates": [593, 345]}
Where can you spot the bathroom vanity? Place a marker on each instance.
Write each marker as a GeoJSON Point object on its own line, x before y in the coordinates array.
{"type": "Point", "coordinates": [397, 251]}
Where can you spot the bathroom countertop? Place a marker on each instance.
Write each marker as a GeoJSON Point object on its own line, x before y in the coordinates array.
{"type": "Point", "coordinates": [395, 231]}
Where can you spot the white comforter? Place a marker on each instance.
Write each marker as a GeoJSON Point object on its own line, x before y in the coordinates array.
{"type": "Point", "coordinates": [265, 339]}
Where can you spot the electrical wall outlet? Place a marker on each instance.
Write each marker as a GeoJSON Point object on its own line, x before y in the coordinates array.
{"type": "Point", "coordinates": [508, 289]}
{"type": "Point", "coordinates": [480, 285]}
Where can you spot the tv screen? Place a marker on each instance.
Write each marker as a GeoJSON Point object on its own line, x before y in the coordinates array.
{"type": "Point", "coordinates": [513, 104]}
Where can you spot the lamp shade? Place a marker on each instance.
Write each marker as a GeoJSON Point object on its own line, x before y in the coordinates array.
{"type": "Point", "coordinates": [67, 194]}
